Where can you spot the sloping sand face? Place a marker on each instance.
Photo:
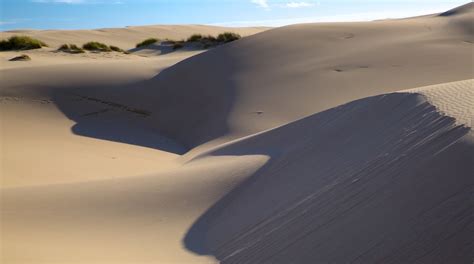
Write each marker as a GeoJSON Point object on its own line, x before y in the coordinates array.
{"type": "Point", "coordinates": [55, 132]}
{"type": "Point", "coordinates": [303, 144]}
{"type": "Point", "coordinates": [284, 74]}
{"type": "Point", "coordinates": [382, 179]}
{"type": "Point", "coordinates": [122, 220]}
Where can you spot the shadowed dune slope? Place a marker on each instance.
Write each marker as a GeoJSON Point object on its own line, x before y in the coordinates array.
{"type": "Point", "coordinates": [464, 9]}
{"type": "Point", "coordinates": [385, 179]}
{"type": "Point", "coordinates": [284, 74]}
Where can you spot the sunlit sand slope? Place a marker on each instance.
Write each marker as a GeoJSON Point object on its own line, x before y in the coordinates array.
{"type": "Point", "coordinates": [281, 75]}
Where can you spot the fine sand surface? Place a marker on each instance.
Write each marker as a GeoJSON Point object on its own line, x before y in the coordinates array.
{"type": "Point", "coordinates": [315, 143]}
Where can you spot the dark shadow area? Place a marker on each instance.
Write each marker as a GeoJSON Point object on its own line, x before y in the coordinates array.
{"type": "Point", "coordinates": [111, 119]}
{"type": "Point", "coordinates": [192, 100]}
{"type": "Point", "coordinates": [332, 196]}
{"type": "Point", "coordinates": [177, 105]}
{"type": "Point", "coordinates": [159, 48]}
{"type": "Point", "coordinates": [127, 131]}
{"type": "Point", "coordinates": [469, 7]}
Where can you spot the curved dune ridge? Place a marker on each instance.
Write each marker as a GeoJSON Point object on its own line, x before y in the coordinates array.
{"type": "Point", "coordinates": [464, 9]}
{"type": "Point", "coordinates": [315, 143]}
{"type": "Point", "coordinates": [381, 179]}
{"type": "Point", "coordinates": [453, 99]}
{"type": "Point", "coordinates": [284, 74]}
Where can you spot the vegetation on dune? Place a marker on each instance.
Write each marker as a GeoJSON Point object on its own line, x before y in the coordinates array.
{"type": "Point", "coordinates": [200, 40]}
{"type": "Point", "coordinates": [71, 48]}
{"type": "Point", "coordinates": [96, 46]}
{"type": "Point", "coordinates": [75, 47]}
{"type": "Point", "coordinates": [23, 57]}
{"type": "Point", "coordinates": [21, 43]}
{"type": "Point", "coordinates": [147, 42]}
{"type": "Point", "coordinates": [172, 41]}
{"type": "Point", "coordinates": [195, 37]}
{"type": "Point", "coordinates": [64, 47]}
{"type": "Point", "coordinates": [206, 41]}
{"type": "Point", "coordinates": [228, 37]}
{"type": "Point", "coordinates": [211, 41]}
{"type": "Point", "coordinates": [92, 46]}
{"type": "Point", "coordinates": [115, 48]}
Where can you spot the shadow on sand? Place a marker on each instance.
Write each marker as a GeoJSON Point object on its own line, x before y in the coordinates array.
{"type": "Point", "coordinates": [329, 196]}
{"type": "Point", "coordinates": [164, 112]}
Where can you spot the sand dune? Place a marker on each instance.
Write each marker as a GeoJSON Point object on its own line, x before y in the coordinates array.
{"type": "Point", "coordinates": [382, 179]}
{"type": "Point", "coordinates": [287, 73]}
{"type": "Point", "coordinates": [126, 38]}
{"type": "Point", "coordinates": [315, 143]}
{"type": "Point", "coordinates": [391, 197]}
{"type": "Point", "coordinates": [79, 146]}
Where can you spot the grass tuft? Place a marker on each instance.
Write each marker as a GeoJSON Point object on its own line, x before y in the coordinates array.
{"type": "Point", "coordinates": [195, 38]}
{"type": "Point", "coordinates": [228, 37]}
{"type": "Point", "coordinates": [211, 41]}
{"type": "Point", "coordinates": [96, 46]}
{"type": "Point", "coordinates": [146, 42]}
{"type": "Point", "coordinates": [70, 48]}
{"type": "Point", "coordinates": [21, 43]}
{"type": "Point", "coordinates": [115, 48]}
{"type": "Point", "coordinates": [64, 47]}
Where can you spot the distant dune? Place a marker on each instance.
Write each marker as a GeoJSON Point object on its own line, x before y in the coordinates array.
{"type": "Point", "coordinates": [294, 71]}
{"type": "Point", "coordinates": [126, 38]}
{"type": "Point", "coordinates": [313, 143]}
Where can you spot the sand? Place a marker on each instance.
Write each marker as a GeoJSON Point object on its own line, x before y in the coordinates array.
{"type": "Point", "coordinates": [127, 38]}
{"type": "Point", "coordinates": [314, 143]}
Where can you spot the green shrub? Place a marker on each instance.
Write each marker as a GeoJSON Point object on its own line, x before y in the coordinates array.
{"type": "Point", "coordinates": [209, 41]}
{"type": "Point", "coordinates": [115, 48]}
{"type": "Point", "coordinates": [71, 48]}
{"type": "Point", "coordinates": [210, 38]}
{"type": "Point", "coordinates": [96, 46]}
{"type": "Point", "coordinates": [194, 38]}
{"type": "Point", "coordinates": [64, 47]}
{"type": "Point", "coordinates": [201, 38]}
{"type": "Point", "coordinates": [75, 47]}
{"type": "Point", "coordinates": [228, 37]}
{"type": "Point", "coordinates": [21, 43]}
{"type": "Point", "coordinates": [147, 42]}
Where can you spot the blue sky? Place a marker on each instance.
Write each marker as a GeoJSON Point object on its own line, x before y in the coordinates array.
{"type": "Point", "coordinates": [86, 14]}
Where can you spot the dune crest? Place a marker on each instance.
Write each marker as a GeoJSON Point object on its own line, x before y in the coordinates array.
{"type": "Point", "coordinates": [464, 9]}
{"type": "Point", "coordinates": [381, 179]}
{"type": "Point", "coordinates": [284, 74]}
{"type": "Point", "coordinates": [453, 99]}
